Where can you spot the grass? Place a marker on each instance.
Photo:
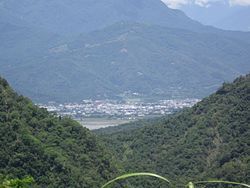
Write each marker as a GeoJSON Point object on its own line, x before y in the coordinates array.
{"type": "Point", "coordinates": [189, 185]}
{"type": "Point", "coordinates": [125, 176]}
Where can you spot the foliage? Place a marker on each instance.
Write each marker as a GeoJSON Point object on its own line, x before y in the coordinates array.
{"type": "Point", "coordinates": [17, 183]}
{"type": "Point", "coordinates": [125, 176]}
{"type": "Point", "coordinates": [209, 140]}
{"type": "Point", "coordinates": [56, 152]}
{"type": "Point", "coordinates": [189, 185]}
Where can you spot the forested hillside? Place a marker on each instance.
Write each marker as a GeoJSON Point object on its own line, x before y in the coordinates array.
{"type": "Point", "coordinates": [55, 151]}
{"type": "Point", "coordinates": [210, 140]}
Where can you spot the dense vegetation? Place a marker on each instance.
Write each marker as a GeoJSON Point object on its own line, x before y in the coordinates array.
{"type": "Point", "coordinates": [209, 140]}
{"type": "Point", "coordinates": [129, 126]}
{"type": "Point", "coordinates": [55, 151]}
{"type": "Point", "coordinates": [16, 183]}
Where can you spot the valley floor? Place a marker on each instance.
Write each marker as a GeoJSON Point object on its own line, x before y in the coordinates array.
{"type": "Point", "coordinates": [97, 123]}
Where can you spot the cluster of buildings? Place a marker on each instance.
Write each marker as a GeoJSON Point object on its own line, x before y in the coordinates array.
{"type": "Point", "coordinates": [118, 109]}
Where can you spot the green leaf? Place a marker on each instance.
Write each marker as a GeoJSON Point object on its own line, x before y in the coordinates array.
{"type": "Point", "coordinates": [125, 176]}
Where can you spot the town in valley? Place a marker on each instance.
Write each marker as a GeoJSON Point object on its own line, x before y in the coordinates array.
{"type": "Point", "coordinates": [102, 113]}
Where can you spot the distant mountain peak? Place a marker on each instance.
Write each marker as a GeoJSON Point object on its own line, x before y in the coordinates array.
{"type": "Point", "coordinates": [74, 17]}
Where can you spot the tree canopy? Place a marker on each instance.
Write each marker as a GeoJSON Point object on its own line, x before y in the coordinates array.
{"type": "Point", "coordinates": [56, 152]}
{"type": "Point", "coordinates": [209, 140]}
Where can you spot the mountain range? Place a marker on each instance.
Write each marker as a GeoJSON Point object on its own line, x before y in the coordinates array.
{"type": "Point", "coordinates": [75, 17]}
{"type": "Point", "coordinates": [221, 15]}
{"type": "Point", "coordinates": [49, 53]}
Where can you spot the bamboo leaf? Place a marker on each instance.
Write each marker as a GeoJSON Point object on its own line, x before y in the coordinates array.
{"type": "Point", "coordinates": [190, 185]}
{"type": "Point", "coordinates": [125, 176]}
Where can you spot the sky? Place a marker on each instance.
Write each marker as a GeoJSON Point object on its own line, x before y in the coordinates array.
{"type": "Point", "coordinates": [205, 3]}
{"type": "Point", "coordinates": [223, 14]}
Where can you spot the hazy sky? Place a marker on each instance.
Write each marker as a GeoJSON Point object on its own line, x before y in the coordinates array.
{"type": "Point", "coordinates": [206, 3]}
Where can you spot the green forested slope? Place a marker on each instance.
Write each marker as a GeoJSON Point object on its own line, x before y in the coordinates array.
{"type": "Point", "coordinates": [210, 140]}
{"type": "Point", "coordinates": [56, 152]}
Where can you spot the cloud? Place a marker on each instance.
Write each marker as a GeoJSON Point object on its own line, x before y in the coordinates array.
{"type": "Point", "coordinates": [239, 2]}
{"type": "Point", "coordinates": [204, 3]}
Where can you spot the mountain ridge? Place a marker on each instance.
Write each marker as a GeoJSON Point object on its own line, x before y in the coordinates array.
{"type": "Point", "coordinates": [147, 59]}
{"type": "Point", "coordinates": [79, 16]}
{"type": "Point", "coordinates": [134, 56]}
{"type": "Point", "coordinates": [209, 140]}
{"type": "Point", "coordinates": [55, 151]}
